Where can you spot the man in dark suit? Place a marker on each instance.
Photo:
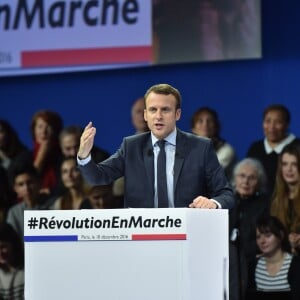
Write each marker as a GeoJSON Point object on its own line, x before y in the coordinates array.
{"type": "Point", "coordinates": [194, 175]}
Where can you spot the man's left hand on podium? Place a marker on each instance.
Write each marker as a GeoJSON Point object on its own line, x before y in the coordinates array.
{"type": "Point", "coordinates": [203, 202]}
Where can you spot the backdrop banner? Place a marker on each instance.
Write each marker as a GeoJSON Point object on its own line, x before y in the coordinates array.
{"type": "Point", "coordinates": [39, 36]}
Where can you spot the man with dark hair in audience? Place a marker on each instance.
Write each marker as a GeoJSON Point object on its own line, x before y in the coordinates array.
{"type": "Point", "coordinates": [27, 185]}
{"type": "Point", "coordinates": [69, 140]}
{"type": "Point", "coordinates": [11, 264]}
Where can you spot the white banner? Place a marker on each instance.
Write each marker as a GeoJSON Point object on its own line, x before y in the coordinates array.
{"type": "Point", "coordinates": [112, 224]}
{"type": "Point", "coordinates": [37, 34]}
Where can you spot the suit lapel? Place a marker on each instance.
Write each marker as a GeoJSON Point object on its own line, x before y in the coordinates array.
{"type": "Point", "coordinates": [148, 156]}
{"type": "Point", "coordinates": [179, 156]}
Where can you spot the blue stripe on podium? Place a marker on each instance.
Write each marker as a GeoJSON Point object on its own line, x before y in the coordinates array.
{"type": "Point", "coordinates": [51, 238]}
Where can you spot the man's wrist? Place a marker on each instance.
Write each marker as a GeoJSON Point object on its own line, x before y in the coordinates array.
{"type": "Point", "coordinates": [83, 161]}
{"type": "Point", "coordinates": [81, 158]}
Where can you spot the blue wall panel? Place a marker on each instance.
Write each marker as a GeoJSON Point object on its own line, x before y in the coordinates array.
{"type": "Point", "coordinates": [238, 90]}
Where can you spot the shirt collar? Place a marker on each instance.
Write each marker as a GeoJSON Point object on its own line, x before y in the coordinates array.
{"type": "Point", "coordinates": [171, 138]}
{"type": "Point", "coordinates": [280, 146]}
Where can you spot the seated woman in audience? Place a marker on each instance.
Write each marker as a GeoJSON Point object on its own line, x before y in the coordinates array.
{"type": "Point", "coordinates": [275, 123]}
{"type": "Point", "coordinates": [75, 193]}
{"type": "Point", "coordinates": [286, 198]}
{"type": "Point", "coordinates": [249, 184]}
{"type": "Point", "coordinates": [11, 264]}
{"type": "Point", "coordinates": [275, 274]}
{"type": "Point", "coordinates": [45, 128]}
{"type": "Point", "coordinates": [12, 150]}
{"type": "Point", "coordinates": [10, 145]}
{"type": "Point", "coordinates": [205, 122]}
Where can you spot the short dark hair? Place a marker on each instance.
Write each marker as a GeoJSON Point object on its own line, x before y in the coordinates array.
{"type": "Point", "coordinates": [71, 130]}
{"type": "Point", "coordinates": [9, 235]}
{"type": "Point", "coordinates": [165, 89]}
{"type": "Point", "coordinates": [23, 168]}
{"type": "Point", "coordinates": [282, 109]}
{"type": "Point", "coordinates": [272, 224]}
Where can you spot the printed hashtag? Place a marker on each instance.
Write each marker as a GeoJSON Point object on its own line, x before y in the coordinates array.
{"type": "Point", "coordinates": [32, 222]}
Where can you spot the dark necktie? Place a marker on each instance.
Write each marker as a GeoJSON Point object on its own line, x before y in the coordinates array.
{"type": "Point", "coordinates": [162, 191]}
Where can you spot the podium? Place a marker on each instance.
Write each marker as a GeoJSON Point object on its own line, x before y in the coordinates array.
{"type": "Point", "coordinates": [126, 254]}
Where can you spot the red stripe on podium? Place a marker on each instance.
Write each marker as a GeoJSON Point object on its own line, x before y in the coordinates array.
{"type": "Point", "coordinates": [153, 237]}
{"type": "Point", "coordinates": [69, 57]}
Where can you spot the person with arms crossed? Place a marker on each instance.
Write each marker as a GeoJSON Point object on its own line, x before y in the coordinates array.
{"type": "Point", "coordinates": [194, 178]}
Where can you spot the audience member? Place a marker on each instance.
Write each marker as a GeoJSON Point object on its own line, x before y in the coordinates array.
{"type": "Point", "coordinates": [286, 198]}
{"type": "Point", "coordinates": [101, 197]}
{"type": "Point", "coordinates": [137, 116]}
{"type": "Point", "coordinates": [6, 194]}
{"type": "Point", "coordinates": [26, 184]}
{"type": "Point", "coordinates": [276, 273]}
{"type": "Point", "coordinates": [206, 123]}
{"type": "Point", "coordinates": [294, 238]}
{"type": "Point", "coordinates": [11, 264]}
{"type": "Point", "coordinates": [276, 121]}
{"type": "Point", "coordinates": [249, 184]}
{"type": "Point", "coordinates": [75, 193]}
{"type": "Point", "coordinates": [10, 145]}
{"type": "Point", "coordinates": [140, 126]}
{"type": "Point", "coordinates": [45, 128]}
{"type": "Point", "coordinates": [12, 150]}
{"type": "Point", "coordinates": [69, 140]}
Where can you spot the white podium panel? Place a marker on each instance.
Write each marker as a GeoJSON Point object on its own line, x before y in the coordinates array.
{"type": "Point", "coordinates": [126, 254]}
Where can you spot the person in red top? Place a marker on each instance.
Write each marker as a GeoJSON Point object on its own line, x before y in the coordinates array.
{"type": "Point", "coordinates": [45, 128]}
